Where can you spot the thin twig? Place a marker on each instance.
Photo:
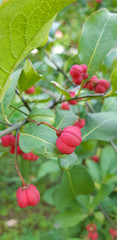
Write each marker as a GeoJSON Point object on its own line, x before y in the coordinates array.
{"type": "Point", "coordinates": [19, 110]}
{"type": "Point", "coordinates": [58, 68]}
{"type": "Point", "coordinates": [8, 124]}
{"type": "Point", "coordinates": [13, 127]}
{"type": "Point", "coordinates": [107, 217]}
{"type": "Point", "coordinates": [89, 107]}
{"type": "Point", "coordinates": [23, 100]}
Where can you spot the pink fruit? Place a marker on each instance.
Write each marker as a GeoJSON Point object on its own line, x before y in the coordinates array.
{"type": "Point", "coordinates": [78, 73]}
{"type": "Point", "coordinates": [113, 232]}
{"type": "Point", "coordinates": [30, 156]}
{"type": "Point", "coordinates": [68, 139]}
{"type": "Point", "coordinates": [72, 102]}
{"type": "Point", "coordinates": [27, 196]}
{"type": "Point", "coordinates": [95, 158]}
{"type": "Point", "coordinates": [102, 86]}
{"type": "Point", "coordinates": [6, 141]}
{"type": "Point", "coordinates": [65, 106]}
{"type": "Point", "coordinates": [80, 123]}
{"type": "Point", "coordinates": [91, 227]}
{"type": "Point", "coordinates": [93, 235]}
{"type": "Point", "coordinates": [30, 90]}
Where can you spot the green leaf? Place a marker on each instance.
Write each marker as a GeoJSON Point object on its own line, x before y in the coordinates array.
{"type": "Point", "coordinates": [75, 181]}
{"type": "Point", "coordinates": [101, 126]}
{"type": "Point", "coordinates": [101, 195]}
{"type": "Point", "coordinates": [42, 114]}
{"type": "Point", "coordinates": [94, 170]}
{"type": "Point", "coordinates": [28, 77]}
{"type": "Point", "coordinates": [68, 162]}
{"type": "Point", "coordinates": [40, 139]}
{"type": "Point", "coordinates": [94, 47]}
{"type": "Point", "coordinates": [62, 90]}
{"type": "Point", "coordinates": [64, 118]}
{"type": "Point", "coordinates": [108, 162]}
{"type": "Point", "coordinates": [114, 80]}
{"type": "Point", "coordinates": [69, 219]}
{"type": "Point", "coordinates": [23, 27]}
{"type": "Point", "coordinates": [48, 167]}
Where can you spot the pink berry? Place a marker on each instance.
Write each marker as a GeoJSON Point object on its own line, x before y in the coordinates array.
{"type": "Point", "coordinates": [30, 156]}
{"type": "Point", "coordinates": [6, 141]}
{"type": "Point", "coordinates": [77, 80]}
{"type": "Point", "coordinates": [93, 235]}
{"type": "Point", "coordinates": [19, 151]}
{"type": "Point", "coordinates": [12, 150]}
{"type": "Point", "coordinates": [68, 139]}
{"type": "Point", "coordinates": [95, 158]}
{"type": "Point", "coordinates": [91, 227]}
{"type": "Point", "coordinates": [113, 232]}
{"type": "Point", "coordinates": [30, 90]}
{"type": "Point", "coordinates": [65, 106]}
{"type": "Point", "coordinates": [76, 71]}
{"type": "Point", "coordinates": [102, 86]}
{"type": "Point", "coordinates": [84, 68]}
{"type": "Point", "coordinates": [12, 140]}
{"type": "Point", "coordinates": [27, 196]}
{"type": "Point", "coordinates": [72, 102]}
{"type": "Point", "coordinates": [80, 123]}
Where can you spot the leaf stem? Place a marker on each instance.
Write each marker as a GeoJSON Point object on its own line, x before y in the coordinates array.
{"type": "Point", "coordinates": [71, 185]}
{"type": "Point", "coordinates": [16, 164]}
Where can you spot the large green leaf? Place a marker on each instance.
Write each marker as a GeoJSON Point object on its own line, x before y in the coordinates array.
{"type": "Point", "coordinates": [101, 126]}
{"type": "Point", "coordinates": [64, 118]}
{"type": "Point", "coordinates": [42, 114]}
{"type": "Point", "coordinates": [69, 218]}
{"type": "Point", "coordinates": [40, 139]}
{"type": "Point", "coordinates": [98, 37]}
{"type": "Point", "coordinates": [75, 181]}
{"type": "Point", "coordinates": [24, 25]}
{"type": "Point", "coordinates": [28, 77]}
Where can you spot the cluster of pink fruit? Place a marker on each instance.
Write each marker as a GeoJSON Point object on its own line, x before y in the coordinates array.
{"type": "Point", "coordinates": [79, 73]}
{"type": "Point", "coordinates": [113, 233]}
{"type": "Point", "coordinates": [9, 141]}
{"type": "Point", "coordinates": [92, 231]}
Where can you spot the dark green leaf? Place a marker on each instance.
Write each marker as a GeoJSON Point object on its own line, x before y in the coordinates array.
{"type": "Point", "coordinates": [64, 118]}
{"type": "Point", "coordinates": [42, 114]}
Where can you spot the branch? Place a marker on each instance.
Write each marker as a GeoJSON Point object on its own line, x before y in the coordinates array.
{"type": "Point", "coordinates": [8, 124]}
{"type": "Point", "coordinates": [13, 127]}
{"type": "Point", "coordinates": [98, 95]}
{"type": "Point", "coordinates": [107, 217]}
{"type": "Point", "coordinates": [58, 68]}
{"type": "Point", "coordinates": [23, 100]}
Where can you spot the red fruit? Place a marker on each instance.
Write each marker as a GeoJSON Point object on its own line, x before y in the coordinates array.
{"type": "Point", "coordinates": [99, 1]}
{"type": "Point", "coordinates": [113, 232]}
{"type": "Point", "coordinates": [19, 151]}
{"type": "Point", "coordinates": [65, 106]}
{"type": "Point", "coordinates": [30, 90]}
{"type": "Point", "coordinates": [68, 139]}
{"type": "Point", "coordinates": [72, 102]}
{"type": "Point", "coordinates": [95, 158]}
{"type": "Point", "coordinates": [27, 196]}
{"type": "Point", "coordinates": [102, 86]}
{"type": "Point", "coordinates": [5, 141]}
{"type": "Point", "coordinates": [80, 123]}
{"type": "Point", "coordinates": [91, 227]}
{"type": "Point", "coordinates": [91, 83]}
{"type": "Point", "coordinates": [84, 68]}
{"type": "Point", "coordinates": [76, 71]}
{"type": "Point", "coordinates": [12, 150]}
{"type": "Point", "coordinates": [77, 80]}
{"type": "Point", "coordinates": [12, 140]}
{"type": "Point", "coordinates": [30, 156]}
{"type": "Point", "coordinates": [93, 235]}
